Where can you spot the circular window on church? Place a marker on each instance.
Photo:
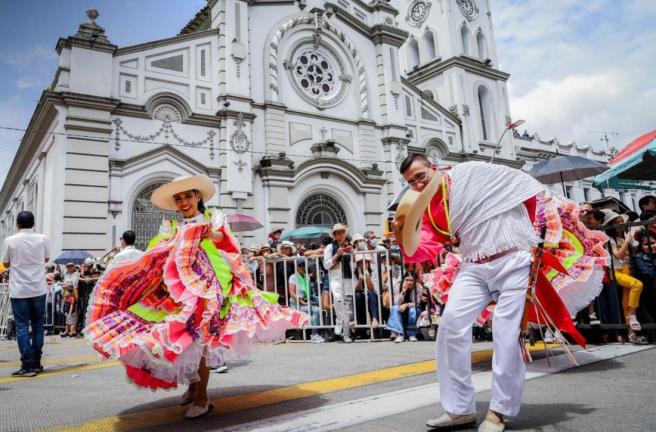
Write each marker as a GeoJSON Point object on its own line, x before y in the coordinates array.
{"type": "Point", "coordinates": [320, 210]}
{"type": "Point", "coordinates": [317, 74]}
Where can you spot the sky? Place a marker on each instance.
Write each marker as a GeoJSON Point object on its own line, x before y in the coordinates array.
{"type": "Point", "coordinates": [578, 68]}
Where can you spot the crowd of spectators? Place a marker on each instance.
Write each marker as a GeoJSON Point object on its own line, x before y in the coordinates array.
{"type": "Point", "coordinates": [629, 285]}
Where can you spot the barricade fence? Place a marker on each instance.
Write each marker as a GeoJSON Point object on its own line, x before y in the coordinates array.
{"type": "Point", "coordinates": [369, 289]}
{"type": "Point", "coordinates": [5, 310]}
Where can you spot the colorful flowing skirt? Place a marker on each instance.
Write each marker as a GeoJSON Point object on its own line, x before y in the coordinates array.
{"type": "Point", "coordinates": [183, 300]}
{"type": "Point", "coordinates": [578, 250]}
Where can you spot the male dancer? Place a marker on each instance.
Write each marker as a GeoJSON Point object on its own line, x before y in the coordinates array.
{"type": "Point", "coordinates": [488, 209]}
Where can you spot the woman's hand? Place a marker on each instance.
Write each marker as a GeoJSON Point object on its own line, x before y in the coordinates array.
{"type": "Point", "coordinates": [215, 236]}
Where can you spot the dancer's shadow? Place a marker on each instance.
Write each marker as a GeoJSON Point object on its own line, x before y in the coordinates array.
{"type": "Point", "coordinates": [232, 406]}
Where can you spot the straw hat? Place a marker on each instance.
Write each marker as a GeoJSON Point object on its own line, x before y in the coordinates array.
{"type": "Point", "coordinates": [163, 196]}
{"type": "Point", "coordinates": [357, 238]}
{"type": "Point", "coordinates": [286, 243]}
{"type": "Point", "coordinates": [339, 227]}
{"type": "Point", "coordinates": [409, 214]}
{"type": "Point", "coordinates": [610, 216]}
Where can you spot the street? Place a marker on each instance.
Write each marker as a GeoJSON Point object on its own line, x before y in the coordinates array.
{"type": "Point", "coordinates": [366, 386]}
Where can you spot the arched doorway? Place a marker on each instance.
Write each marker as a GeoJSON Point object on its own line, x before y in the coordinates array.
{"type": "Point", "coordinates": [146, 218]}
{"type": "Point", "coordinates": [320, 210]}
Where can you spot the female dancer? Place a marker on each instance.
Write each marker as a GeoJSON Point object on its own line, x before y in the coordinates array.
{"type": "Point", "coordinates": [187, 303]}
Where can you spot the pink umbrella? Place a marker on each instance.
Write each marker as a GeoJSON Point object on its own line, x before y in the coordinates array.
{"type": "Point", "coordinates": [241, 222]}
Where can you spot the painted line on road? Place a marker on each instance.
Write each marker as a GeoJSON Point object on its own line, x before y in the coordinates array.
{"type": "Point", "coordinates": [63, 371]}
{"type": "Point", "coordinates": [353, 412]}
{"type": "Point", "coordinates": [58, 361]}
{"type": "Point", "coordinates": [156, 417]}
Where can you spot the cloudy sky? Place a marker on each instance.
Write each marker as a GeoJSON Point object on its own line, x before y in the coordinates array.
{"type": "Point", "coordinates": [577, 66]}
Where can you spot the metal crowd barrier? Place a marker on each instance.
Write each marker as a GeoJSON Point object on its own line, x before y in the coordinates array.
{"type": "Point", "coordinates": [272, 275]}
{"type": "Point", "coordinates": [608, 305]}
{"type": "Point", "coordinates": [5, 310]}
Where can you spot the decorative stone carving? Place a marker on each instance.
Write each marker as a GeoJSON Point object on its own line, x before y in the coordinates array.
{"type": "Point", "coordinates": [167, 112]}
{"type": "Point", "coordinates": [239, 142]}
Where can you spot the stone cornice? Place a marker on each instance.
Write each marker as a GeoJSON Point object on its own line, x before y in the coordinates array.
{"type": "Point", "coordinates": [431, 101]}
{"type": "Point", "coordinates": [168, 41]}
{"type": "Point", "coordinates": [73, 41]}
{"type": "Point", "coordinates": [140, 111]}
{"type": "Point", "coordinates": [44, 113]}
{"type": "Point", "coordinates": [349, 19]}
{"type": "Point", "coordinates": [431, 69]}
{"type": "Point", "coordinates": [383, 33]}
{"type": "Point", "coordinates": [269, 2]}
{"type": "Point", "coordinates": [117, 165]}
{"type": "Point", "coordinates": [87, 101]}
{"type": "Point", "coordinates": [231, 114]}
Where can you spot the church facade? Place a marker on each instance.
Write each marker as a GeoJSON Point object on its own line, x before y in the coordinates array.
{"type": "Point", "coordinates": [299, 110]}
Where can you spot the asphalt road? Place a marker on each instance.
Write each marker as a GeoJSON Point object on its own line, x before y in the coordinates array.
{"type": "Point", "coordinates": [366, 386]}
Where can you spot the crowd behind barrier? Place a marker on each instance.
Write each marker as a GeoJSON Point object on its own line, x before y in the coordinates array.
{"type": "Point", "coordinates": [381, 303]}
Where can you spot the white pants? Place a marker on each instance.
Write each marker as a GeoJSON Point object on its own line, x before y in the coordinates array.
{"type": "Point", "coordinates": [506, 280]}
{"type": "Point", "coordinates": [342, 291]}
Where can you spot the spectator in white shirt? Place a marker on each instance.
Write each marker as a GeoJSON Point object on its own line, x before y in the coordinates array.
{"type": "Point", "coordinates": [27, 253]}
{"type": "Point", "coordinates": [337, 259]}
{"type": "Point", "coordinates": [128, 251]}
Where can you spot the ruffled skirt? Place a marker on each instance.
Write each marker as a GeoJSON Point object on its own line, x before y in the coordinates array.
{"type": "Point", "coordinates": [183, 300]}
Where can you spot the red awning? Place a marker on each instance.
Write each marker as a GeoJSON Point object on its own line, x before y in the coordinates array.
{"type": "Point", "coordinates": [633, 147]}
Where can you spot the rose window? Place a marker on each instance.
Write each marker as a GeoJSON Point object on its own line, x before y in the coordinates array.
{"type": "Point", "coordinates": [317, 74]}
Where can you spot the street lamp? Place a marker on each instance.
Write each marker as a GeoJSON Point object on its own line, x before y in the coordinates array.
{"type": "Point", "coordinates": [509, 126]}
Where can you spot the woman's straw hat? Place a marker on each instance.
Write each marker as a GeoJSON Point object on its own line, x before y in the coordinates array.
{"type": "Point", "coordinates": [163, 196]}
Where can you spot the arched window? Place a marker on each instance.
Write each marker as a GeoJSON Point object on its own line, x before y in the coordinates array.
{"type": "Point", "coordinates": [320, 210]}
{"type": "Point", "coordinates": [465, 35]}
{"type": "Point", "coordinates": [413, 53]}
{"type": "Point", "coordinates": [480, 43]}
{"type": "Point", "coordinates": [429, 43]}
{"type": "Point", "coordinates": [485, 112]}
{"type": "Point", "coordinates": [146, 218]}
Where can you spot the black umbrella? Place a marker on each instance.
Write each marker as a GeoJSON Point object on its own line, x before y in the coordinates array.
{"type": "Point", "coordinates": [566, 168]}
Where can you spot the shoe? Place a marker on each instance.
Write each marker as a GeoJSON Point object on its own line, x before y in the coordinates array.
{"type": "Point", "coordinates": [488, 426]}
{"type": "Point", "coordinates": [187, 398]}
{"type": "Point", "coordinates": [63, 335]}
{"type": "Point", "coordinates": [633, 323]}
{"type": "Point", "coordinates": [27, 373]}
{"type": "Point", "coordinates": [38, 369]}
{"type": "Point", "coordinates": [445, 422]}
{"type": "Point", "coordinates": [315, 338]}
{"type": "Point", "coordinates": [196, 411]}
{"type": "Point", "coordinates": [338, 329]}
{"type": "Point", "coordinates": [412, 339]}
{"type": "Point", "coordinates": [221, 369]}
{"type": "Point", "coordinates": [347, 339]}
{"type": "Point", "coordinates": [593, 319]}
{"type": "Point", "coordinates": [548, 337]}
{"type": "Point", "coordinates": [72, 335]}
{"type": "Point", "coordinates": [374, 323]}
{"type": "Point", "coordinates": [398, 339]}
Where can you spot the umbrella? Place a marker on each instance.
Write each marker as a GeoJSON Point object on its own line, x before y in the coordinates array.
{"type": "Point", "coordinates": [566, 168]}
{"type": "Point", "coordinates": [632, 169]}
{"type": "Point", "coordinates": [74, 256]}
{"type": "Point", "coordinates": [241, 222]}
{"type": "Point", "coordinates": [305, 233]}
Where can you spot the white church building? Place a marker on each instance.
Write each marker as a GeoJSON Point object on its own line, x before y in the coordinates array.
{"type": "Point", "coordinates": [299, 110]}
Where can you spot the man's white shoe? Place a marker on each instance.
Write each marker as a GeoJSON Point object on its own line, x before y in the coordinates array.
{"type": "Point", "coordinates": [446, 422]}
{"type": "Point", "coordinates": [398, 339]}
{"type": "Point", "coordinates": [488, 426]}
{"type": "Point", "coordinates": [412, 339]}
{"type": "Point", "coordinates": [221, 369]}
{"type": "Point", "coordinates": [196, 411]}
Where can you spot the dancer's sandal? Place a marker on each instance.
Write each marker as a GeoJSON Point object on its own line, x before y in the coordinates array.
{"type": "Point", "coordinates": [187, 398]}
{"type": "Point", "coordinates": [633, 323]}
{"type": "Point", "coordinates": [196, 411]}
{"type": "Point", "coordinates": [637, 340]}
{"type": "Point", "coordinates": [446, 422]}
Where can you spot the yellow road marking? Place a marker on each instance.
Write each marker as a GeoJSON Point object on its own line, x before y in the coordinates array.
{"type": "Point", "coordinates": [57, 360]}
{"type": "Point", "coordinates": [63, 371]}
{"type": "Point", "coordinates": [150, 418]}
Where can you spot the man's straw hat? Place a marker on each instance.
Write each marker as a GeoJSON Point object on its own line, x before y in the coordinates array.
{"type": "Point", "coordinates": [409, 214]}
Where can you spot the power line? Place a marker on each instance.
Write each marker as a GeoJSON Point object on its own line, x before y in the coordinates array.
{"type": "Point", "coordinates": [207, 147]}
